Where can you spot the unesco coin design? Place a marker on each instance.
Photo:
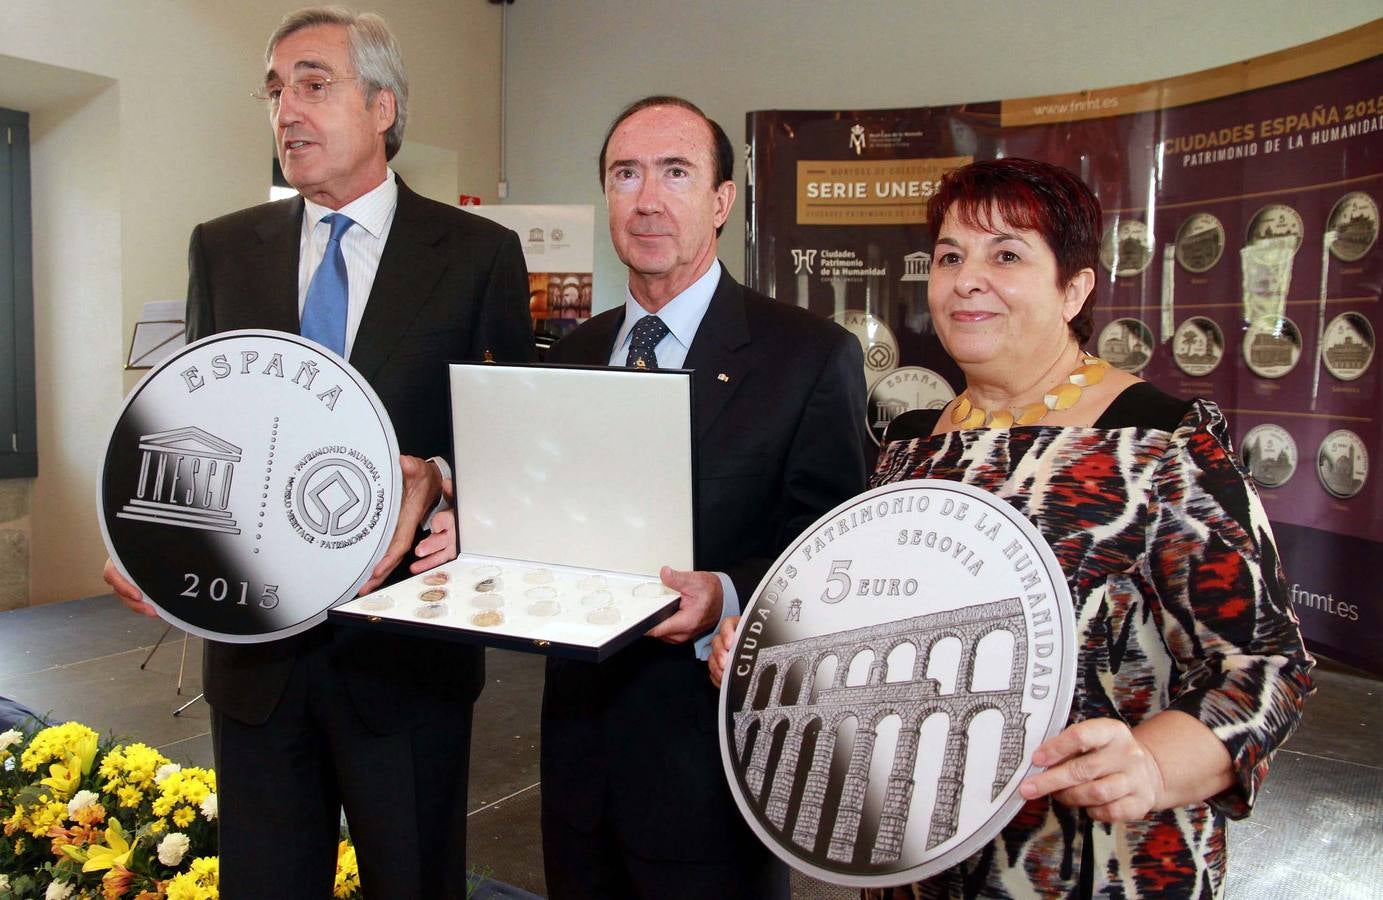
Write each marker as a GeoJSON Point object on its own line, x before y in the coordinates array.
{"type": "Point", "coordinates": [1272, 346]}
{"type": "Point", "coordinates": [1343, 463]}
{"type": "Point", "coordinates": [1127, 344]}
{"type": "Point", "coordinates": [1348, 347]}
{"type": "Point", "coordinates": [890, 680]}
{"type": "Point", "coordinates": [876, 339]}
{"type": "Point", "coordinates": [1354, 220]}
{"type": "Point", "coordinates": [1198, 346]}
{"type": "Point", "coordinates": [251, 482]}
{"type": "Point", "coordinates": [911, 387]}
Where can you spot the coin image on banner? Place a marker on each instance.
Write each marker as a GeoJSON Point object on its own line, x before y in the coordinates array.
{"type": "Point", "coordinates": [1127, 248]}
{"type": "Point", "coordinates": [1349, 344]}
{"type": "Point", "coordinates": [1200, 243]}
{"type": "Point", "coordinates": [1272, 346]}
{"type": "Point", "coordinates": [1276, 220]}
{"type": "Point", "coordinates": [890, 680]}
{"type": "Point", "coordinates": [1343, 463]}
{"type": "Point", "coordinates": [911, 387]}
{"type": "Point", "coordinates": [1354, 219]}
{"type": "Point", "coordinates": [251, 482]}
{"type": "Point", "coordinates": [876, 340]}
{"type": "Point", "coordinates": [1198, 346]}
{"type": "Point", "coordinates": [1126, 344]}
{"type": "Point", "coordinates": [1270, 455]}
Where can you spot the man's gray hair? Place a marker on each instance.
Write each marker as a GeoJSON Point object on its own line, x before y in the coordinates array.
{"type": "Point", "coordinates": [374, 55]}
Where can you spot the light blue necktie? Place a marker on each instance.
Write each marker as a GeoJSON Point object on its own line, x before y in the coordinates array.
{"type": "Point", "coordinates": [324, 311]}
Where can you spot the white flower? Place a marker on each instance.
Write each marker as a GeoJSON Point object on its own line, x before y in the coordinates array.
{"type": "Point", "coordinates": [4, 882]}
{"type": "Point", "coordinates": [209, 807]}
{"type": "Point", "coordinates": [81, 802]}
{"type": "Point", "coordinates": [165, 770]}
{"type": "Point", "coordinates": [58, 890]}
{"type": "Point", "coordinates": [172, 848]}
{"type": "Point", "coordinates": [9, 738]}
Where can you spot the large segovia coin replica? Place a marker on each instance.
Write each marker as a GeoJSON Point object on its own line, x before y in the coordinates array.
{"type": "Point", "coordinates": [251, 483]}
{"type": "Point", "coordinates": [897, 668]}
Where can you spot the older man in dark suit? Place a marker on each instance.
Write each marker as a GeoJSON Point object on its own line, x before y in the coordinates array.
{"type": "Point", "coordinates": [634, 800]}
{"type": "Point", "coordinates": [397, 284]}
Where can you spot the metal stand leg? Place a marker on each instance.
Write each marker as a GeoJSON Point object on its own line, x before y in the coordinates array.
{"type": "Point", "coordinates": [182, 662]}
{"type": "Point", "coordinates": [158, 643]}
{"type": "Point", "coordinates": [178, 712]}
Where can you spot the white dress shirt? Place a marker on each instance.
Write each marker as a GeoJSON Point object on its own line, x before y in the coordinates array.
{"type": "Point", "coordinates": [362, 245]}
{"type": "Point", "coordinates": [682, 315]}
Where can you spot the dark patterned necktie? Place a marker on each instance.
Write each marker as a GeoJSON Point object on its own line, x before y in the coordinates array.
{"type": "Point", "coordinates": [647, 332]}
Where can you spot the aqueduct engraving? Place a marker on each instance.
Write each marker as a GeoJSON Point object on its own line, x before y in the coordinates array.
{"type": "Point", "coordinates": [913, 699]}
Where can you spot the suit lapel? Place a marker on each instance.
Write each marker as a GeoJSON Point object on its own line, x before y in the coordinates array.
{"type": "Point", "coordinates": [719, 369]}
{"type": "Point", "coordinates": [408, 270]}
{"type": "Point", "coordinates": [275, 261]}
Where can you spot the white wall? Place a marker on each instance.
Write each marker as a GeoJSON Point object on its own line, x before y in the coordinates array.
{"type": "Point", "coordinates": [572, 66]}
{"type": "Point", "coordinates": [143, 126]}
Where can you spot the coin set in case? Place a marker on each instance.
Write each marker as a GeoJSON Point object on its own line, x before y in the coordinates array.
{"type": "Point", "coordinates": [526, 606]}
{"type": "Point", "coordinates": [572, 495]}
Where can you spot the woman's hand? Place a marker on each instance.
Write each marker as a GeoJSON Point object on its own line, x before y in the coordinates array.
{"type": "Point", "coordinates": [721, 645]}
{"type": "Point", "coordinates": [1118, 774]}
{"type": "Point", "coordinates": [1098, 764]}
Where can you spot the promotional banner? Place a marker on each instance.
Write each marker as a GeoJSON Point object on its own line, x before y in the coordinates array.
{"type": "Point", "coordinates": [559, 249]}
{"type": "Point", "coordinates": [1239, 262]}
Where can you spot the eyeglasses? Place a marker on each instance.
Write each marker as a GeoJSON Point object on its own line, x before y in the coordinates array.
{"type": "Point", "coordinates": [312, 89]}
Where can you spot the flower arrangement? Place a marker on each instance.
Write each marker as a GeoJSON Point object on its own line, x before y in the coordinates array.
{"type": "Point", "coordinates": [87, 819]}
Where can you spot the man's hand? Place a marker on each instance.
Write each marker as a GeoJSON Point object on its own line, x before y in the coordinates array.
{"type": "Point", "coordinates": [422, 485]}
{"type": "Point", "coordinates": [126, 591]}
{"type": "Point", "coordinates": [1101, 765]}
{"type": "Point", "coordinates": [439, 546]}
{"type": "Point", "coordinates": [721, 645]}
{"type": "Point", "coordinates": [699, 610]}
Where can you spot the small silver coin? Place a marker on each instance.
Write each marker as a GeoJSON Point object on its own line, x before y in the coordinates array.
{"type": "Point", "coordinates": [606, 615]}
{"type": "Point", "coordinates": [1343, 463]}
{"type": "Point", "coordinates": [377, 602]}
{"type": "Point", "coordinates": [598, 599]}
{"type": "Point", "coordinates": [538, 576]}
{"type": "Point", "coordinates": [436, 578]}
{"type": "Point", "coordinates": [489, 584]}
{"type": "Point", "coordinates": [1272, 346]}
{"type": "Point", "coordinates": [431, 611]}
{"type": "Point", "coordinates": [544, 609]}
{"type": "Point", "coordinates": [1270, 454]}
{"type": "Point", "coordinates": [433, 595]}
{"type": "Point", "coordinates": [1354, 220]}
{"type": "Point", "coordinates": [1127, 248]}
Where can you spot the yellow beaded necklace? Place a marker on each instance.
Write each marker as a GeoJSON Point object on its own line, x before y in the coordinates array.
{"type": "Point", "coordinates": [1063, 395]}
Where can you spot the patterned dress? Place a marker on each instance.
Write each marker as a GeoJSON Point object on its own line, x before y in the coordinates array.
{"type": "Point", "coordinates": [1180, 604]}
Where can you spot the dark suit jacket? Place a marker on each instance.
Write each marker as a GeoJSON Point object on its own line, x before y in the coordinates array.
{"type": "Point", "coordinates": [779, 401]}
{"type": "Point", "coordinates": [450, 286]}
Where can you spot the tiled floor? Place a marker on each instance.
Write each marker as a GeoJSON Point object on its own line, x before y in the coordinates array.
{"type": "Point", "coordinates": [1317, 831]}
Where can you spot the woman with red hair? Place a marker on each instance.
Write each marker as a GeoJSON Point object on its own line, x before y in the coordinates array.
{"type": "Point", "coordinates": [1191, 670]}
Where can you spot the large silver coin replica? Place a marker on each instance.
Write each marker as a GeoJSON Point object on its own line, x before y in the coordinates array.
{"type": "Point", "coordinates": [890, 680]}
{"type": "Point", "coordinates": [251, 483]}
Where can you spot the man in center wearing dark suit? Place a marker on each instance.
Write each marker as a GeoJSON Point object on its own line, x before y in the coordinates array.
{"type": "Point", "coordinates": [376, 723]}
{"type": "Point", "coordinates": [634, 800]}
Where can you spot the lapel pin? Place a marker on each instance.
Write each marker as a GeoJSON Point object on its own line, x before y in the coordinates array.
{"type": "Point", "coordinates": [723, 377]}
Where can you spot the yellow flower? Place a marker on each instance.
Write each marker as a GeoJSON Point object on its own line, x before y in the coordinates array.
{"type": "Point", "coordinates": [347, 872]}
{"type": "Point", "coordinates": [183, 817]}
{"type": "Point", "coordinates": [157, 826]}
{"type": "Point", "coordinates": [59, 742]}
{"type": "Point", "coordinates": [199, 882]}
{"type": "Point", "coordinates": [65, 776]}
{"type": "Point", "coordinates": [130, 797]}
{"type": "Point", "coordinates": [116, 883]}
{"type": "Point", "coordinates": [115, 852]}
